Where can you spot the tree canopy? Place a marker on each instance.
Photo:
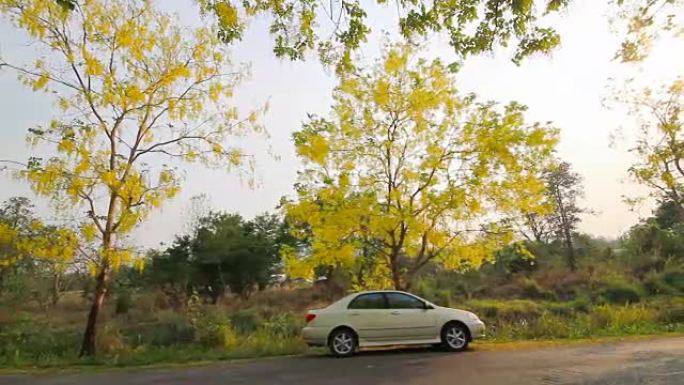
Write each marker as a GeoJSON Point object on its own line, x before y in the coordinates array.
{"type": "Point", "coordinates": [134, 86]}
{"type": "Point", "coordinates": [336, 29]}
{"type": "Point", "coordinates": [659, 148]}
{"type": "Point", "coordinates": [407, 164]}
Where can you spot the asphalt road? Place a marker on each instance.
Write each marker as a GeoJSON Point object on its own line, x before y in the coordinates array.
{"type": "Point", "coordinates": [658, 361]}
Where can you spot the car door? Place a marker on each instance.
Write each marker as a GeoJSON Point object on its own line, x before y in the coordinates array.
{"type": "Point", "coordinates": [368, 315]}
{"type": "Point", "coordinates": [409, 318]}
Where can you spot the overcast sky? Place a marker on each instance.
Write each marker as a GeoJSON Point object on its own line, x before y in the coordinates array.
{"type": "Point", "coordinates": [566, 88]}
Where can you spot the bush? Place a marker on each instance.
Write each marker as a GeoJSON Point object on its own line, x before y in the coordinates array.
{"type": "Point", "coordinates": [620, 293]}
{"type": "Point", "coordinates": [246, 321]}
{"type": "Point", "coordinates": [111, 341]}
{"type": "Point", "coordinates": [616, 289]}
{"type": "Point", "coordinates": [670, 310]}
{"type": "Point", "coordinates": [531, 289]}
{"type": "Point", "coordinates": [216, 333]}
{"type": "Point", "coordinates": [514, 310]}
{"type": "Point", "coordinates": [427, 288]}
{"type": "Point", "coordinates": [173, 329]}
{"type": "Point", "coordinates": [675, 279]}
{"type": "Point", "coordinates": [622, 319]}
{"type": "Point", "coordinates": [654, 284]}
{"type": "Point", "coordinates": [283, 326]}
{"type": "Point", "coordinates": [123, 301]}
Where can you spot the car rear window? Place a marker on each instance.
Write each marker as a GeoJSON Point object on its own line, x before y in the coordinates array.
{"type": "Point", "coordinates": [403, 301]}
{"type": "Point", "coordinates": [368, 301]}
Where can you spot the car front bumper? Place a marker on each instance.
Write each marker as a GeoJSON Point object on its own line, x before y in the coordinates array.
{"type": "Point", "coordinates": [477, 329]}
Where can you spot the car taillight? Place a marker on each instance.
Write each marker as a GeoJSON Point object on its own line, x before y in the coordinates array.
{"type": "Point", "coordinates": [310, 317]}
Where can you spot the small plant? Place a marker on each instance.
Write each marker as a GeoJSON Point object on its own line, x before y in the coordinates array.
{"type": "Point", "coordinates": [212, 333]}
{"type": "Point", "coordinates": [246, 321]}
{"type": "Point", "coordinates": [123, 302]}
{"type": "Point", "coordinates": [111, 341]}
{"type": "Point", "coordinates": [531, 289]}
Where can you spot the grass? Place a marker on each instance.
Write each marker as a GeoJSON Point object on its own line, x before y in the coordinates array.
{"type": "Point", "coordinates": [498, 345]}
{"type": "Point", "coordinates": [144, 337]}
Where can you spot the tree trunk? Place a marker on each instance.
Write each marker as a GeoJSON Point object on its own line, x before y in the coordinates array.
{"type": "Point", "coordinates": [396, 278]}
{"type": "Point", "coordinates": [572, 260]}
{"type": "Point", "coordinates": [88, 346]}
{"type": "Point", "coordinates": [566, 231]}
{"type": "Point", "coordinates": [55, 289]}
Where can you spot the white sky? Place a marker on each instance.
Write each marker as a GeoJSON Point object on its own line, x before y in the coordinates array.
{"type": "Point", "coordinates": [566, 88]}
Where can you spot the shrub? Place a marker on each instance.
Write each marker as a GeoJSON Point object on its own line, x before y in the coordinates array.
{"type": "Point", "coordinates": [283, 326]}
{"type": "Point", "coordinates": [111, 341]}
{"type": "Point", "coordinates": [440, 297]}
{"type": "Point", "coordinates": [617, 290]}
{"type": "Point", "coordinates": [246, 321]}
{"type": "Point", "coordinates": [532, 289]}
{"type": "Point", "coordinates": [671, 310]}
{"type": "Point", "coordinates": [514, 310]}
{"type": "Point", "coordinates": [675, 279]}
{"type": "Point", "coordinates": [213, 333]}
{"type": "Point", "coordinates": [123, 301]}
{"type": "Point", "coordinates": [620, 293]}
{"type": "Point", "coordinates": [654, 284]}
{"type": "Point", "coordinates": [621, 319]}
{"type": "Point", "coordinates": [172, 329]}
{"type": "Point", "coordinates": [28, 341]}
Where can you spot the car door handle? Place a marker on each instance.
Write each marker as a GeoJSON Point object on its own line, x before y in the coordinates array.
{"type": "Point", "coordinates": [354, 313]}
{"type": "Point", "coordinates": [395, 313]}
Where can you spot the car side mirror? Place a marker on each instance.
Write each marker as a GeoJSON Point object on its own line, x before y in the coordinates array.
{"type": "Point", "coordinates": [427, 306]}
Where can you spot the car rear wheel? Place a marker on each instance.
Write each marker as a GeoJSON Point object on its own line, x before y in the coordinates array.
{"type": "Point", "coordinates": [342, 342]}
{"type": "Point", "coordinates": [455, 337]}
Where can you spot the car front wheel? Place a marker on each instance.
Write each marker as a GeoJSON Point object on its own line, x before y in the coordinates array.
{"type": "Point", "coordinates": [455, 337]}
{"type": "Point", "coordinates": [342, 342]}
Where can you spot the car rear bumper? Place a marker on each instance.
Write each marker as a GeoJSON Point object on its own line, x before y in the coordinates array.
{"type": "Point", "coordinates": [477, 329]}
{"type": "Point", "coordinates": [315, 336]}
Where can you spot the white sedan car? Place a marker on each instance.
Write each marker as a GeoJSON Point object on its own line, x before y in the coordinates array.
{"type": "Point", "coordinates": [382, 318]}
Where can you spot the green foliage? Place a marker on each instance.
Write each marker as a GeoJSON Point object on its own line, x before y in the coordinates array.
{"type": "Point", "coordinates": [572, 320]}
{"type": "Point", "coordinates": [246, 321]}
{"type": "Point", "coordinates": [508, 311]}
{"type": "Point", "coordinates": [241, 254]}
{"type": "Point", "coordinates": [619, 292]}
{"type": "Point", "coordinates": [123, 301]}
{"type": "Point", "coordinates": [225, 251]}
{"type": "Point", "coordinates": [472, 27]}
{"type": "Point", "coordinates": [531, 289]}
{"type": "Point", "coordinates": [216, 333]}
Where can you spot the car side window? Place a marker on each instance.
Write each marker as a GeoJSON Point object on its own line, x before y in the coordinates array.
{"type": "Point", "coordinates": [368, 301]}
{"type": "Point", "coordinates": [403, 301]}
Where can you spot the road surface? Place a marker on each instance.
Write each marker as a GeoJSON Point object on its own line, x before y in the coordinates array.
{"type": "Point", "coordinates": [657, 361]}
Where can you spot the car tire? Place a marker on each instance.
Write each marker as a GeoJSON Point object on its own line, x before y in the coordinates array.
{"type": "Point", "coordinates": [343, 342]}
{"type": "Point", "coordinates": [455, 337]}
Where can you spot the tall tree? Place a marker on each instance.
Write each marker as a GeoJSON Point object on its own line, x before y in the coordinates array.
{"type": "Point", "coordinates": [561, 210]}
{"type": "Point", "coordinates": [134, 87]}
{"type": "Point", "coordinates": [564, 188]}
{"type": "Point", "coordinates": [406, 161]}
{"type": "Point", "coordinates": [234, 253]}
{"type": "Point", "coordinates": [660, 145]}
{"type": "Point", "coordinates": [338, 28]}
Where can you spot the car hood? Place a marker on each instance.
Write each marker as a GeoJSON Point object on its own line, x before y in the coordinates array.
{"type": "Point", "coordinates": [457, 313]}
